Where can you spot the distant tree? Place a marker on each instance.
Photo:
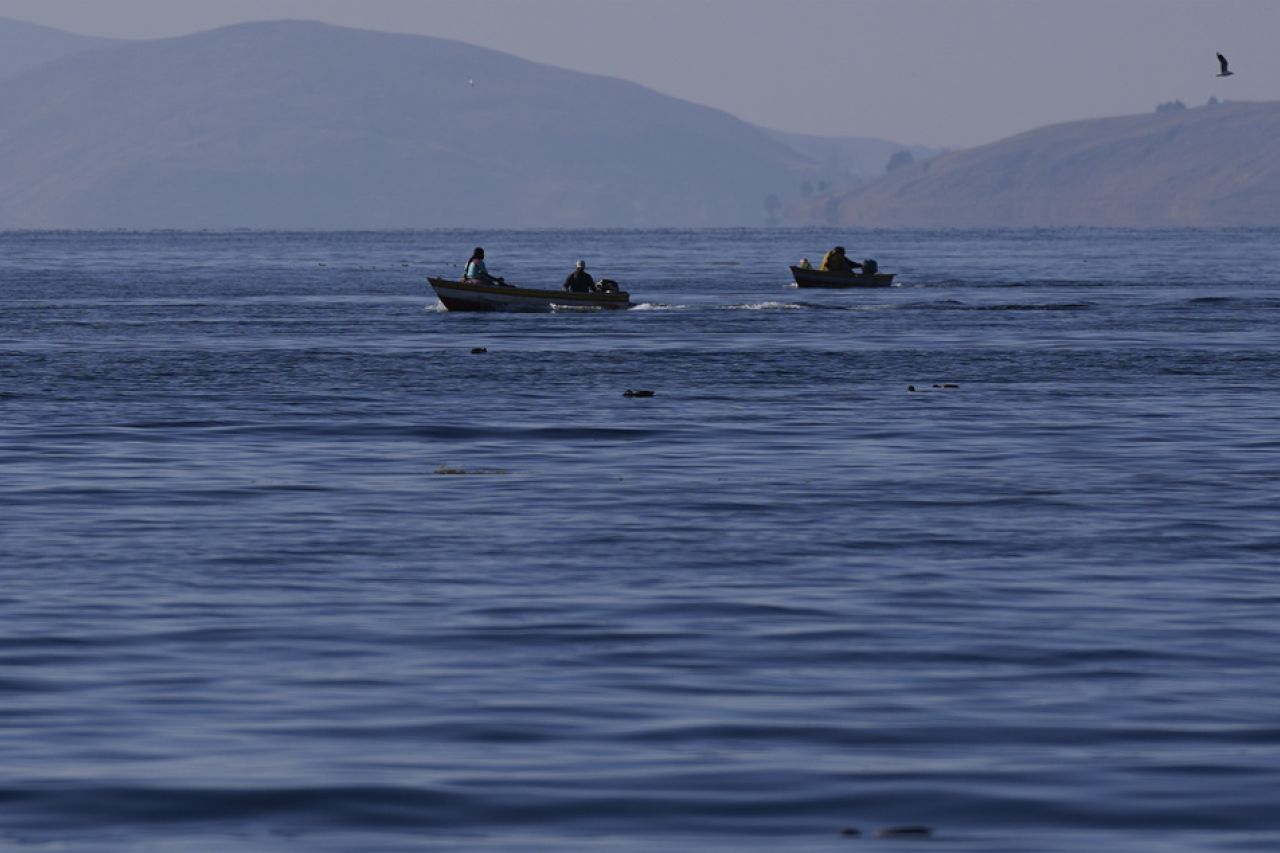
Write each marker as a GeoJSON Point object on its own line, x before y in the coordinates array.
{"type": "Point", "coordinates": [772, 207]}
{"type": "Point", "coordinates": [806, 189]}
{"type": "Point", "coordinates": [899, 160]}
{"type": "Point", "coordinates": [1171, 107]}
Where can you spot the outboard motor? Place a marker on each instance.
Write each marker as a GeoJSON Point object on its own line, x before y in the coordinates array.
{"type": "Point", "coordinates": [870, 267]}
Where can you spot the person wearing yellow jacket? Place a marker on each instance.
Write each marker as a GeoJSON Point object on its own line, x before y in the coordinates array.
{"type": "Point", "coordinates": [836, 261]}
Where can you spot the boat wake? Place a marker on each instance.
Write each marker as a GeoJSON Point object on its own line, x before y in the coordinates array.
{"type": "Point", "coordinates": [657, 306]}
{"type": "Point", "coordinates": [771, 306]}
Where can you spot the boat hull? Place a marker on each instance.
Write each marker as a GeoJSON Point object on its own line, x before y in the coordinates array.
{"type": "Point", "coordinates": [472, 296]}
{"type": "Point", "coordinates": [824, 278]}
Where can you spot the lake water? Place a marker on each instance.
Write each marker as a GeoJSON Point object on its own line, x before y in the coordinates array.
{"type": "Point", "coordinates": [285, 566]}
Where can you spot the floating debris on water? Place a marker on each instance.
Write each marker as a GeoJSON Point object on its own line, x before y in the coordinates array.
{"type": "Point", "coordinates": [446, 471]}
{"type": "Point", "coordinates": [904, 832]}
{"type": "Point", "coordinates": [850, 832]}
{"type": "Point", "coordinates": [638, 393]}
{"type": "Point", "coordinates": [479, 350]}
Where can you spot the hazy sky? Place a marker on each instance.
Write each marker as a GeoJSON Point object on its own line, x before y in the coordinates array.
{"type": "Point", "coordinates": [933, 72]}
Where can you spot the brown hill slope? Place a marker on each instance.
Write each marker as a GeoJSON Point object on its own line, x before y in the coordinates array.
{"type": "Point", "coordinates": [1216, 165]}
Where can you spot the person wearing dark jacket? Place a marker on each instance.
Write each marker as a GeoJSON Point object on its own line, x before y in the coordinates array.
{"type": "Point", "coordinates": [579, 281]}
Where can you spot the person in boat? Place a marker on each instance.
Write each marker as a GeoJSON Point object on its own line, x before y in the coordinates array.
{"type": "Point", "coordinates": [580, 281]}
{"type": "Point", "coordinates": [477, 272]}
{"type": "Point", "coordinates": [805, 265]}
{"type": "Point", "coordinates": [837, 261]}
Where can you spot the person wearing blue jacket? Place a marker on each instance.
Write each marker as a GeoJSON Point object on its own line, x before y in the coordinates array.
{"type": "Point", "coordinates": [477, 272]}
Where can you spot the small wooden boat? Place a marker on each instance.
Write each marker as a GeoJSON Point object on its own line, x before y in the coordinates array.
{"type": "Point", "coordinates": [478, 296]}
{"type": "Point", "coordinates": [825, 278]}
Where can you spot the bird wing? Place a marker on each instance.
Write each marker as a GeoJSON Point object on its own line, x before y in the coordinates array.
{"type": "Point", "coordinates": [1222, 60]}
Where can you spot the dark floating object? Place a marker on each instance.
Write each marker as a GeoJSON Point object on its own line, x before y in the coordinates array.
{"type": "Point", "coordinates": [478, 351]}
{"type": "Point", "coordinates": [904, 832]}
{"type": "Point", "coordinates": [850, 832]}
{"type": "Point", "coordinates": [948, 385]}
{"type": "Point", "coordinates": [446, 471]}
{"type": "Point", "coordinates": [639, 393]}
{"type": "Point", "coordinates": [1222, 62]}
{"type": "Point", "coordinates": [911, 387]}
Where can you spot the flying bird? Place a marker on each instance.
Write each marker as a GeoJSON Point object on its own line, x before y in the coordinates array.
{"type": "Point", "coordinates": [471, 82]}
{"type": "Point", "coordinates": [1226, 72]}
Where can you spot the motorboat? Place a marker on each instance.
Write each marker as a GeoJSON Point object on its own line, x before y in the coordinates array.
{"type": "Point", "coordinates": [830, 278]}
{"type": "Point", "coordinates": [471, 295]}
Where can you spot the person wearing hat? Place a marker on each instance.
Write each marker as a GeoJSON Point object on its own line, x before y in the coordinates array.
{"type": "Point", "coordinates": [579, 281]}
{"type": "Point", "coordinates": [835, 261]}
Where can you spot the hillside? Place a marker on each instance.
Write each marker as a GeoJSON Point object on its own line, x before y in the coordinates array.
{"type": "Point", "coordinates": [25, 46]}
{"type": "Point", "coordinates": [295, 124]}
{"type": "Point", "coordinates": [849, 157]}
{"type": "Point", "coordinates": [1216, 165]}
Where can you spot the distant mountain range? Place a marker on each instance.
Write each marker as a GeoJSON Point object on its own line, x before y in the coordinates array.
{"type": "Point", "coordinates": [24, 46]}
{"type": "Point", "coordinates": [1216, 165]}
{"type": "Point", "coordinates": [851, 158]}
{"type": "Point", "coordinates": [292, 124]}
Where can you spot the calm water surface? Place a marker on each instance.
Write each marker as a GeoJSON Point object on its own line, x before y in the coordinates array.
{"type": "Point", "coordinates": [284, 566]}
